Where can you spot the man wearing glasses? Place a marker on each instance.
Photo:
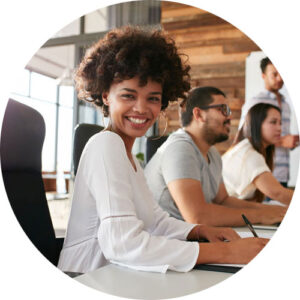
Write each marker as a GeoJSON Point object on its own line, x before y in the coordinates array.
{"type": "Point", "coordinates": [185, 174]}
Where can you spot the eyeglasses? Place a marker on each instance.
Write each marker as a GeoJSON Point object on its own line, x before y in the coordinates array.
{"type": "Point", "coordinates": [224, 108]}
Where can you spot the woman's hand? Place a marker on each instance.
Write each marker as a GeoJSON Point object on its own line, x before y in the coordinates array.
{"type": "Point", "coordinates": [240, 251]}
{"type": "Point", "coordinates": [236, 251]}
{"type": "Point", "coordinates": [244, 250]}
{"type": "Point", "coordinates": [212, 234]}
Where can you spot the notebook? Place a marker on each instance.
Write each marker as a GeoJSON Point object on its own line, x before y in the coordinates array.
{"type": "Point", "coordinates": [267, 227]}
{"type": "Point", "coordinates": [231, 268]}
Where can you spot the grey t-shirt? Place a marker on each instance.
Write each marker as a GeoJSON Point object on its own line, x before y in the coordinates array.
{"type": "Point", "coordinates": [180, 158]}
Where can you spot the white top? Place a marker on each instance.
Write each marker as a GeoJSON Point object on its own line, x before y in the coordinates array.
{"type": "Point", "coordinates": [241, 165]}
{"type": "Point", "coordinates": [115, 219]}
{"type": "Point", "coordinates": [282, 155]}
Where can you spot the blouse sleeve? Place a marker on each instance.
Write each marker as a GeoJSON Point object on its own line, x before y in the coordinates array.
{"type": "Point", "coordinates": [168, 226]}
{"type": "Point", "coordinates": [253, 164]}
{"type": "Point", "coordinates": [121, 234]}
{"type": "Point", "coordinates": [256, 165]}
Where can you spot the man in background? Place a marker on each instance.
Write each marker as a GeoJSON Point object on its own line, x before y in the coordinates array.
{"type": "Point", "coordinates": [185, 173]}
{"type": "Point", "coordinates": [273, 83]}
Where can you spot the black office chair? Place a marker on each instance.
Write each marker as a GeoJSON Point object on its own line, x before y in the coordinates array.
{"type": "Point", "coordinates": [22, 138]}
{"type": "Point", "coordinates": [82, 134]}
{"type": "Point", "coordinates": [152, 144]}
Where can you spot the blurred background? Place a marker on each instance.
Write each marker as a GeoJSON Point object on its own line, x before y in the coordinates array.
{"type": "Point", "coordinates": [219, 54]}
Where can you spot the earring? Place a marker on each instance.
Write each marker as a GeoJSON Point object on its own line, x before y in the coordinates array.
{"type": "Point", "coordinates": [103, 110]}
{"type": "Point", "coordinates": [105, 114]}
{"type": "Point", "coordinates": [166, 125]}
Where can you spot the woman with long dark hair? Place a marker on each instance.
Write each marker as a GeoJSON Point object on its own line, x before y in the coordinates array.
{"type": "Point", "coordinates": [248, 164]}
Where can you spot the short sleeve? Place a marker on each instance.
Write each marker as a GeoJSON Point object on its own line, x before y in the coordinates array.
{"type": "Point", "coordinates": [217, 163]}
{"type": "Point", "coordinates": [180, 161]}
{"type": "Point", "coordinates": [253, 164]}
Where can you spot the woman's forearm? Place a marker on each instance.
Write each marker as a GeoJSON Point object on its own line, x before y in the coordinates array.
{"type": "Point", "coordinates": [270, 187]}
{"type": "Point", "coordinates": [285, 195]}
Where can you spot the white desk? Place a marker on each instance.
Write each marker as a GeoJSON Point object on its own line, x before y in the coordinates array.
{"type": "Point", "coordinates": [124, 282]}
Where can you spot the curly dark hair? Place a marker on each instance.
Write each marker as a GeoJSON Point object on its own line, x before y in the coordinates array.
{"type": "Point", "coordinates": [128, 52]}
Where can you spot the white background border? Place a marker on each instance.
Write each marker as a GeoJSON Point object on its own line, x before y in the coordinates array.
{"type": "Point", "coordinates": [26, 25]}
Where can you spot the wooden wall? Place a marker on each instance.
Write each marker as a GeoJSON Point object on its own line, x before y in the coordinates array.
{"type": "Point", "coordinates": [217, 52]}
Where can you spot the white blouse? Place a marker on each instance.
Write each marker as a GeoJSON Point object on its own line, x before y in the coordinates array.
{"type": "Point", "coordinates": [114, 218]}
{"type": "Point", "coordinates": [241, 165]}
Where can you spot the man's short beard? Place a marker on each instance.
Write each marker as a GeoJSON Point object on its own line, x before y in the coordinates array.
{"type": "Point", "coordinates": [212, 138]}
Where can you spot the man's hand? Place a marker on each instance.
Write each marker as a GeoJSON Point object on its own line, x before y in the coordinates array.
{"type": "Point", "coordinates": [289, 141]}
{"type": "Point", "coordinates": [271, 214]}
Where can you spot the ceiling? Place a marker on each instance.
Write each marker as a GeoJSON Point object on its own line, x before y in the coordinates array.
{"type": "Point", "coordinates": [54, 61]}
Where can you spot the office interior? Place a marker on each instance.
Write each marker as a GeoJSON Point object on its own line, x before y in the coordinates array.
{"type": "Point", "coordinates": [219, 54]}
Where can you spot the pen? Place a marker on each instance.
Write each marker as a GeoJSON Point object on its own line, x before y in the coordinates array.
{"type": "Point", "coordinates": [248, 223]}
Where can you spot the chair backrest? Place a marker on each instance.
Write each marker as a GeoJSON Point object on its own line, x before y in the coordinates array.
{"type": "Point", "coordinates": [22, 138]}
{"type": "Point", "coordinates": [83, 132]}
{"type": "Point", "coordinates": [152, 144]}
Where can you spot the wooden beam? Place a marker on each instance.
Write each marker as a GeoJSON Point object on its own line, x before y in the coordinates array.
{"type": "Point", "coordinates": [220, 83]}
{"type": "Point", "coordinates": [208, 33]}
{"type": "Point", "coordinates": [240, 45]}
{"type": "Point", "coordinates": [166, 5]}
{"type": "Point", "coordinates": [212, 55]}
{"type": "Point", "coordinates": [222, 70]}
{"type": "Point", "coordinates": [181, 11]}
{"type": "Point", "coordinates": [230, 45]}
{"type": "Point", "coordinates": [193, 21]}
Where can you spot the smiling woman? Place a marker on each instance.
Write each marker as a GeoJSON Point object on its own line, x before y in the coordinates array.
{"type": "Point", "coordinates": [133, 108]}
{"type": "Point", "coordinates": [132, 74]}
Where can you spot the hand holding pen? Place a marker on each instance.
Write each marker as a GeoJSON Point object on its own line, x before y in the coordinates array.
{"type": "Point", "coordinates": [248, 223]}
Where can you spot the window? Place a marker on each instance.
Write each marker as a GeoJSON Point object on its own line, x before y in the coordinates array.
{"type": "Point", "coordinates": [65, 127]}
{"type": "Point", "coordinates": [43, 88]}
{"type": "Point", "coordinates": [55, 103]}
